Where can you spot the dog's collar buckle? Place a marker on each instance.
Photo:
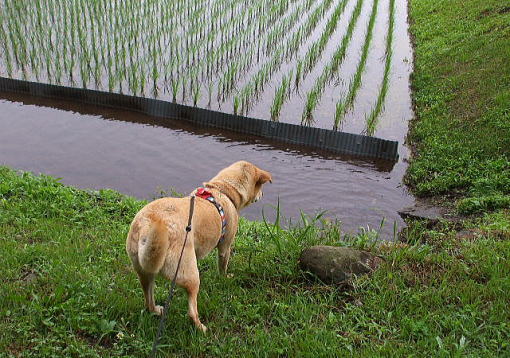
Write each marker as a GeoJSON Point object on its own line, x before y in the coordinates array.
{"type": "Point", "coordinates": [207, 195]}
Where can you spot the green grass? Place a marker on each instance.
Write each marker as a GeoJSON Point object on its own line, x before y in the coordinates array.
{"type": "Point", "coordinates": [68, 288]}
{"type": "Point", "coordinates": [462, 93]}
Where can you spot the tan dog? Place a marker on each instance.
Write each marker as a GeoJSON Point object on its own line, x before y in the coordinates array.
{"type": "Point", "coordinates": [157, 232]}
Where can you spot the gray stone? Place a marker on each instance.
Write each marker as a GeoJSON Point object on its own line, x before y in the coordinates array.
{"type": "Point", "coordinates": [423, 210]}
{"type": "Point", "coordinates": [337, 265]}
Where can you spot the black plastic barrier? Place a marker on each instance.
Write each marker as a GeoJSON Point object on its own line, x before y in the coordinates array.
{"type": "Point", "coordinates": [324, 139]}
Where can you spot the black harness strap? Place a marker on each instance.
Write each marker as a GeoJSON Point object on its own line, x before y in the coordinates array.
{"type": "Point", "coordinates": [205, 194]}
{"type": "Point", "coordinates": [172, 286]}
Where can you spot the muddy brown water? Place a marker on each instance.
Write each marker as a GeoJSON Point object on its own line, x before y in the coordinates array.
{"type": "Point", "coordinates": [92, 147]}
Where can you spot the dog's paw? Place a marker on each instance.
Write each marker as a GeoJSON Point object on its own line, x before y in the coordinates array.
{"type": "Point", "coordinates": [158, 310]}
{"type": "Point", "coordinates": [202, 328]}
{"type": "Point", "coordinates": [229, 275]}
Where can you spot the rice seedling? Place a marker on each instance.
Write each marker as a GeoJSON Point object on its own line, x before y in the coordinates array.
{"type": "Point", "coordinates": [309, 61]}
{"type": "Point", "coordinates": [299, 70]}
{"type": "Point", "coordinates": [344, 104]}
{"type": "Point", "coordinates": [317, 47]}
{"type": "Point", "coordinates": [236, 105]}
{"type": "Point", "coordinates": [209, 92]}
{"type": "Point", "coordinates": [196, 94]}
{"type": "Point", "coordinates": [265, 72]}
{"type": "Point", "coordinates": [5, 55]}
{"type": "Point", "coordinates": [311, 102]}
{"type": "Point", "coordinates": [371, 120]}
{"type": "Point", "coordinates": [283, 27]}
{"type": "Point", "coordinates": [155, 77]}
{"type": "Point", "coordinates": [281, 93]}
{"type": "Point", "coordinates": [339, 114]}
{"type": "Point", "coordinates": [315, 93]}
{"type": "Point", "coordinates": [245, 61]}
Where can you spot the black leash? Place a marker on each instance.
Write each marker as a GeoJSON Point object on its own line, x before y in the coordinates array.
{"type": "Point", "coordinates": [172, 286]}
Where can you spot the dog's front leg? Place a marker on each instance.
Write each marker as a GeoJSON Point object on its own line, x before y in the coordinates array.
{"type": "Point", "coordinates": [223, 258]}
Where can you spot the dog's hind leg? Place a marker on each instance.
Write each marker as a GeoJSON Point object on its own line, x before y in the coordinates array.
{"type": "Point", "coordinates": [192, 288]}
{"type": "Point", "coordinates": [190, 280]}
{"type": "Point", "coordinates": [223, 258]}
{"type": "Point", "coordinates": [147, 281]}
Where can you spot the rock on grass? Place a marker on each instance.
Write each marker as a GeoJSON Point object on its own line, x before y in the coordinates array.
{"type": "Point", "coordinates": [337, 265]}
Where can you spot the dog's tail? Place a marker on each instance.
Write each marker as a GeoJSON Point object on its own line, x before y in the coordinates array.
{"type": "Point", "coordinates": [153, 245]}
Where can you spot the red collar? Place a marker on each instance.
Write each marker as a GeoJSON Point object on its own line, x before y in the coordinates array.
{"type": "Point", "coordinates": [203, 193]}
{"type": "Point", "coordinates": [207, 195]}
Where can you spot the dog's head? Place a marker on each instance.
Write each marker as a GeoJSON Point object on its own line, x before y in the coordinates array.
{"type": "Point", "coordinates": [241, 182]}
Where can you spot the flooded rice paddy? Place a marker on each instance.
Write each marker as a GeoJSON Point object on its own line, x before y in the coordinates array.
{"type": "Point", "coordinates": [324, 63]}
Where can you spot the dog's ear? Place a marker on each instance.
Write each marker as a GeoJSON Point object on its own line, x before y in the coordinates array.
{"type": "Point", "coordinates": [264, 177]}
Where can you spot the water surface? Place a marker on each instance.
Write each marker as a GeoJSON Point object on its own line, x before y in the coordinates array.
{"type": "Point", "coordinates": [92, 147]}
